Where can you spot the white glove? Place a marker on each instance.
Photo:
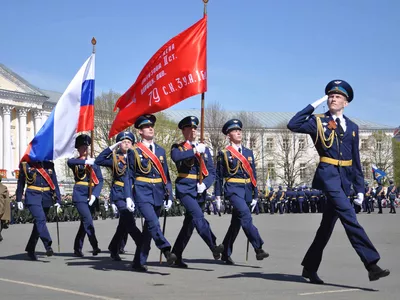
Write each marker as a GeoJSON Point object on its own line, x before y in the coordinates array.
{"type": "Point", "coordinates": [112, 147]}
{"type": "Point", "coordinates": [201, 188]}
{"type": "Point", "coordinates": [201, 148]}
{"type": "Point", "coordinates": [58, 208]}
{"type": "Point", "coordinates": [359, 200]}
{"type": "Point", "coordinates": [92, 199]}
{"type": "Point", "coordinates": [253, 204]}
{"type": "Point", "coordinates": [130, 205]}
{"type": "Point", "coordinates": [167, 204]}
{"type": "Point", "coordinates": [114, 208]}
{"type": "Point", "coordinates": [218, 202]}
{"type": "Point", "coordinates": [89, 161]}
{"type": "Point", "coordinates": [320, 101]}
{"type": "Point", "coordinates": [20, 206]}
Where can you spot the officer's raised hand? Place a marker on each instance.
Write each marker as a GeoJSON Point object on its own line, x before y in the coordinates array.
{"type": "Point", "coordinates": [89, 161]}
{"type": "Point", "coordinates": [320, 101]}
{"type": "Point", "coordinates": [112, 147]}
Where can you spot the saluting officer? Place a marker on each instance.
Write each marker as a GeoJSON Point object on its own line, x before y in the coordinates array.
{"type": "Point", "coordinates": [236, 179]}
{"type": "Point", "coordinates": [190, 191]}
{"type": "Point", "coordinates": [83, 168]}
{"type": "Point", "coordinates": [42, 187]}
{"type": "Point", "coordinates": [116, 157]}
{"type": "Point", "coordinates": [337, 142]}
{"type": "Point", "coordinates": [152, 189]}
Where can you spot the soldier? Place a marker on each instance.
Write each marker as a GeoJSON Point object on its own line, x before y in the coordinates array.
{"type": "Point", "coordinates": [337, 142]}
{"type": "Point", "coordinates": [314, 199]}
{"type": "Point", "coordinates": [380, 195]}
{"type": "Point", "coordinates": [236, 179]}
{"type": "Point", "coordinates": [5, 208]}
{"type": "Point", "coordinates": [368, 198]}
{"type": "Point", "coordinates": [391, 195]}
{"type": "Point", "coordinates": [152, 189]}
{"type": "Point", "coordinates": [281, 198]}
{"type": "Point", "coordinates": [42, 188]}
{"type": "Point", "coordinates": [83, 168]}
{"type": "Point", "coordinates": [301, 197]}
{"type": "Point", "coordinates": [116, 157]}
{"type": "Point", "coordinates": [272, 200]}
{"type": "Point", "coordinates": [190, 159]}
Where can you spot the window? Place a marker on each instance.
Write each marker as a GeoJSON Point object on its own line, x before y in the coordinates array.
{"type": "Point", "coordinates": [378, 145]}
{"type": "Point", "coordinates": [302, 171]}
{"type": "Point", "coordinates": [364, 144]}
{"type": "Point", "coordinates": [271, 171]}
{"type": "Point", "coordinates": [252, 143]}
{"type": "Point", "coordinates": [366, 169]}
{"type": "Point", "coordinates": [285, 144]}
{"type": "Point", "coordinates": [302, 144]}
{"type": "Point", "coordinates": [270, 143]}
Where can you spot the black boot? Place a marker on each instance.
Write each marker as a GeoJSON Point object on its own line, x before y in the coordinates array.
{"type": "Point", "coordinates": [375, 272]}
{"type": "Point", "coordinates": [49, 252]}
{"type": "Point", "coordinates": [217, 251]}
{"type": "Point", "coordinates": [139, 268]}
{"type": "Point", "coordinates": [261, 254]}
{"type": "Point", "coordinates": [171, 257]}
{"type": "Point", "coordinates": [96, 251]}
{"type": "Point", "coordinates": [115, 256]}
{"type": "Point", "coordinates": [179, 263]}
{"type": "Point", "coordinates": [228, 260]}
{"type": "Point", "coordinates": [32, 255]}
{"type": "Point", "coordinates": [312, 276]}
{"type": "Point", "coordinates": [78, 253]}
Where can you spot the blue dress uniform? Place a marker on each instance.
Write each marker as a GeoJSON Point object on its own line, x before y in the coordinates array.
{"type": "Point", "coordinates": [39, 195]}
{"type": "Point", "coordinates": [235, 183]}
{"type": "Point", "coordinates": [281, 198]}
{"type": "Point", "coordinates": [339, 168]}
{"type": "Point", "coordinates": [80, 196]}
{"type": "Point", "coordinates": [119, 164]}
{"type": "Point", "coordinates": [391, 195]}
{"type": "Point", "coordinates": [368, 198]}
{"type": "Point", "coordinates": [188, 166]}
{"type": "Point", "coordinates": [301, 197]}
{"type": "Point", "coordinates": [314, 199]}
{"type": "Point", "coordinates": [272, 200]}
{"type": "Point", "coordinates": [380, 195]}
{"type": "Point", "coordinates": [149, 193]}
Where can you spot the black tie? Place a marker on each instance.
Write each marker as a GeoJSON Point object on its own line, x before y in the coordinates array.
{"type": "Point", "coordinates": [341, 131]}
{"type": "Point", "coordinates": [151, 148]}
{"type": "Point", "coordinates": [240, 150]}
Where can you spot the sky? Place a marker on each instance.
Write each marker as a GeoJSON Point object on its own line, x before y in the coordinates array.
{"type": "Point", "coordinates": [262, 55]}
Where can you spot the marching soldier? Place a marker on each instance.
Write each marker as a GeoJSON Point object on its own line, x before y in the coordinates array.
{"type": "Point", "coordinates": [190, 191]}
{"type": "Point", "coordinates": [42, 187]}
{"type": "Point", "coordinates": [152, 189]}
{"type": "Point", "coordinates": [272, 200]}
{"type": "Point", "coordinates": [337, 142]}
{"type": "Point", "coordinates": [236, 179]}
{"type": "Point", "coordinates": [391, 195]}
{"type": "Point", "coordinates": [281, 197]}
{"type": "Point", "coordinates": [83, 168]}
{"type": "Point", "coordinates": [301, 197]}
{"type": "Point", "coordinates": [368, 198]}
{"type": "Point", "coordinates": [380, 195]}
{"type": "Point", "coordinates": [116, 157]}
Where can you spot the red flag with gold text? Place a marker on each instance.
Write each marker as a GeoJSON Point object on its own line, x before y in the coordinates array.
{"type": "Point", "coordinates": [175, 72]}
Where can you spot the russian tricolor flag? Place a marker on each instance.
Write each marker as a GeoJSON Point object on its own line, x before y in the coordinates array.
{"type": "Point", "coordinates": [73, 113]}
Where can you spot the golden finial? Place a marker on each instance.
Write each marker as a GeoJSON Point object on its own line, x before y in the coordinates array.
{"type": "Point", "coordinates": [94, 42]}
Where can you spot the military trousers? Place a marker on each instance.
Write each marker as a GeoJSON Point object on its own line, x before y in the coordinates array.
{"type": "Point", "coordinates": [85, 228]}
{"type": "Point", "coordinates": [39, 214]}
{"type": "Point", "coordinates": [339, 207]}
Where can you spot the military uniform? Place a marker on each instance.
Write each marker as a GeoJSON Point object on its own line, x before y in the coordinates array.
{"type": "Point", "coordinates": [187, 161]}
{"type": "Point", "coordinates": [80, 196]}
{"type": "Point", "coordinates": [281, 198]}
{"type": "Point", "coordinates": [42, 186]}
{"type": "Point", "coordinates": [236, 179]}
{"type": "Point", "coordinates": [391, 195]}
{"type": "Point", "coordinates": [380, 195]}
{"type": "Point", "coordinates": [339, 168]}
{"type": "Point", "coordinates": [5, 208]}
{"type": "Point", "coordinates": [121, 189]}
{"type": "Point", "coordinates": [152, 185]}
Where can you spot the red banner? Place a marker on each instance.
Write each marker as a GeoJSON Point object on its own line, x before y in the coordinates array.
{"type": "Point", "coordinates": [177, 71]}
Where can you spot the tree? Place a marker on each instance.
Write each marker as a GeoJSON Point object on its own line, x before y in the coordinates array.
{"type": "Point", "coordinates": [396, 161]}
{"type": "Point", "coordinates": [215, 118]}
{"type": "Point", "coordinates": [290, 156]}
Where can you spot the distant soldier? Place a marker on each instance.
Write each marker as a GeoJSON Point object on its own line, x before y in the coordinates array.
{"type": "Point", "coordinates": [5, 208]}
{"type": "Point", "coordinates": [391, 195]}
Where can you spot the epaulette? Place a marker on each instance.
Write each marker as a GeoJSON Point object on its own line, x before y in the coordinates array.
{"type": "Point", "coordinates": [319, 115]}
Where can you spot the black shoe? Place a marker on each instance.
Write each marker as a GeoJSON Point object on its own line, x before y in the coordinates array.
{"type": "Point", "coordinates": [115, 256]}
{"type": "Point", "coordinates": [180, 264]}
{"type": "Point", "coordinates": [32, 255]}
{"type": "Point", "coordinates": [49, 252]}
{"type": "Point", "coordinates": [261, 254]}
{"type": "Point", "coordinates": [121, 251]}
{"type": "Point", "coordinates": [217, 251]}
{"type": "Point", "coordinates": [78, 253]}
{"type": "Point", "coordinates": [228, 260]}
{"type": "Point", "coordinates": [375, 272]}
{"type": "Point", "coordinates": [171, 257]}
{"type": "Point", "coordinates": [312, 276]}
{"type": "Point", "coordinates": [139, 268]}
{"type": "Point", "coordinates": [96, 251]}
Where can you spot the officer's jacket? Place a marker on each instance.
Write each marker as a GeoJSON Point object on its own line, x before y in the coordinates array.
{"type": "Point", "coordinates": [230, 167]}
{"type": "Point", "coordinates": [329, 177]}
{"type": "Point", "coordinates": [116, 161]}
{"type": "Point", "coordinates": [188, 168]}
{"type": "Point", "coordinates": [368, 192]}
{"type": "Point", "coordinates": [272, 196]}
{"type": "Point", "coordinates": [391, 195]}
{"type": "Point", "coordinates": [147, 181]}
{"type": "Point", "coordinates": [38, 191]}
{"type": "Point", "coordinates": [81, 177]}
{"type": "Point", "coordinates": [280, 195]}
{"type": "Point", "coordinates": [301, 196]}
{"type": "Point", "coordinates": [379, 192]}
{"type": "Point", "coordinates": [315, 194]}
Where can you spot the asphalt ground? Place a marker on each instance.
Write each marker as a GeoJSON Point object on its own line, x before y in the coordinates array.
{"type": "Point", "coordinates": [286, 237]}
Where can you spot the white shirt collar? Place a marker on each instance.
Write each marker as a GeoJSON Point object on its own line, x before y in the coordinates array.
{"type": "Point", "coordinates": [147, 144]}
{"type": "Point", "coordinates": [342, 121]}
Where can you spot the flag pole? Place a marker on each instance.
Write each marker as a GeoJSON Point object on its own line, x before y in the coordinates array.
{"type": "Point", "coordinates": [94, 42]}
{"type": "Point", "coordinates": [202, 111]}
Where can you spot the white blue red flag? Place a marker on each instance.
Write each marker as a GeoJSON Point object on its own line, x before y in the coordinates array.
{"type": "Point", "coordinates": [378, 173]}
{"type": "Point", "coordinates": [73, 113]}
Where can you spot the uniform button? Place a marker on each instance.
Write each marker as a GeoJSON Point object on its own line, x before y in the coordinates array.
{"type": "Point", "coordinates": [341, 153]}
{"type": "Point", "coordinates": [341, 142]}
